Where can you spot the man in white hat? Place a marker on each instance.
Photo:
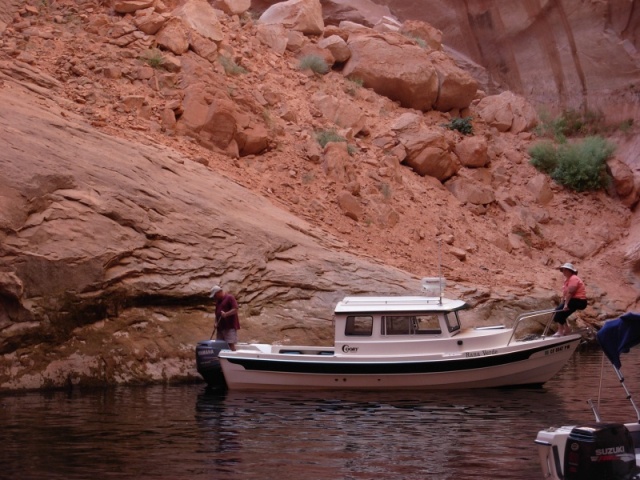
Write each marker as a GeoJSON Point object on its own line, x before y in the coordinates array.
{"type": "Point", "coordinates": [574, 297]}
{"type": "Point", "coordinates": [227, 321]}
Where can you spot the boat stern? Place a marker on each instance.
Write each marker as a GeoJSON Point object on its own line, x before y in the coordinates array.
{"type": "Point", "coordinates": [208, 362]}
{"type": "Point", "coordinates": [551, 443]}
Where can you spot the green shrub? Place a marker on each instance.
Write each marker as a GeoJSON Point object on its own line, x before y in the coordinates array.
{"type": "Point", "coordinates": [315, 63]}
{"type": "Point", "coordinates": [571, 123]}
{"type": "Point", "coordinates": [579, 166]}
{"type": "Point", "coordinates": [626, 125]}
{"type": "Point", "coordinates": [152, 57]}
{"type": "Point", "coordinates": [419, 41]}
{"type": "Point", "coordinates": [230, 66]}
{"type": "Point", "coordinates": [463, 125]}
{"type": "Point", "coordinates": [353, 86]}
{"type": "Point", "coordinates": [544, 157]}
{"type": "Point", "coordinates": [582, 166]}
{"type": "Point", "coordinates": [327, 136]}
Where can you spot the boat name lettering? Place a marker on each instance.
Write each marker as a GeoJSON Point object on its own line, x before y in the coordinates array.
{"type": "Point", "coordinates": [481, 353]}
{"type": "Point", "coordinates": [562, 348]}
{"type": "Point", "coordinates": [610, 450]}
{"type": "Point", "coordinates": [348, 349]}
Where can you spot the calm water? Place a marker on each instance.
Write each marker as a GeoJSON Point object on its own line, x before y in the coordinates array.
{"type": "Point", "coordinates": [184, 432]}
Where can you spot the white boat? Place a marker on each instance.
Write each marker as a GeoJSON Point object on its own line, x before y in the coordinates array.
{"type": "Point", "coordinates": [598, 450]}
{"type": "Point", "coordinates": [405, 342]}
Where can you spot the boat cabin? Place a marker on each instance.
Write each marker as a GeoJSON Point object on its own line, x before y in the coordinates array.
{"type": "Point", "coordinates": [361, 321]}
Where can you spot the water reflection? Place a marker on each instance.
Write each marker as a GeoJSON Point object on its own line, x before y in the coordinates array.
{"type": "Point", "coordinates": [188, 432]}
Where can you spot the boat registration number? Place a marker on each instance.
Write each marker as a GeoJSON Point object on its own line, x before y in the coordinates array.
{"type": "Point", "coordinates": [561, 348]}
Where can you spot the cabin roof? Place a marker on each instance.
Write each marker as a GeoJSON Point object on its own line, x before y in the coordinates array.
{"type": "Point", "coordinates": [398, 304]}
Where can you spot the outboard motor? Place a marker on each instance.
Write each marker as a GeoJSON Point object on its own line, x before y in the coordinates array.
{"type": "Point", "coordinates": [599, 451]}
{"type": "Point", "coordinates": [208, 362]}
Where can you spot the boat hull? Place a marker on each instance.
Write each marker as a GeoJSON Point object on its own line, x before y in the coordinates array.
{"type": "Point", "coordinates": [527, 363]}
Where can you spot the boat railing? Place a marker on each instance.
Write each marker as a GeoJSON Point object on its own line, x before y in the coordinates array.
{"type": "Point", "coordinates": [529, 315]}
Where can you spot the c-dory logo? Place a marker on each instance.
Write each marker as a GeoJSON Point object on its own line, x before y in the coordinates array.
{"type": "Point", "coordinates": [348, 349]}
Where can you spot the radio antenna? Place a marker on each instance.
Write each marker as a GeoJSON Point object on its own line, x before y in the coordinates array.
{"type": "Point", "coordinates": [440, 267]}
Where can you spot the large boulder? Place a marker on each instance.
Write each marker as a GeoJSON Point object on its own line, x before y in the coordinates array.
{"type": "Point", "coordinates": [148, 21]}
{"type": "Point", "coordinates": [220, 126]}
{"type": "Point", "coordinates": [343, 114]}
{"type": "Point", "coordinates": [274, 36]}
{"type": "Point", "coordinates": [429, 152]}
{"type": "Point", "coordinates": [508, 112]}
{"type": "Point", "coordinates": [456, 87]}
{"type": "Point", "coordinates": [173, 36]}
{"type": "Point", "coordinates": [252, 140]}
{"type": "Point", "coordinates": [302, 15]}
{"type": "Point", "coordinates": [431, 36]}
{"type": "Point", "coordinates": [624, 183]}
{"type": "Point", "coordinates": [130, 6]}
{"type": "Point", "coordinates": [468, 191]}
{"type": "Point", "coordinates": [337, 163]}
{"type": "Point", "coordinates": [200, 17]}
{"type": "Point", "coordinates": [394, 67]}
{"type": "Point", "coordinates": [209, 116]}
{"type": "Point", "coordinates": [473, 152]}
{"type": "Point", "coordinates": [337, 46]}
{"type": "Point", "coordinates": [232, 7]}
{"type": "Point", "coordinates": [364, 12]}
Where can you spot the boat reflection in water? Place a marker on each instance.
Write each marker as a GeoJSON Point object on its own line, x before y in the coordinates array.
{"type": "Point", "coordinates": [328, 435]}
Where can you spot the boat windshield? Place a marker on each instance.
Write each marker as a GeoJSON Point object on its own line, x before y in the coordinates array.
{"type": "Point", "coordinates": [453, 321]}
{"type": "Point", "coordinates": [411, 324]}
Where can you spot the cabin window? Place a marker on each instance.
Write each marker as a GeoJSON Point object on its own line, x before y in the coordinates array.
{"type": "Point", "coordinates": [453, 321]}
{"type": "Point", "coordinates": [411, 325]}
{"type": "Point", "coordinates": [359, 326]}
{"type": "Point", "coordinates": [427, 324]}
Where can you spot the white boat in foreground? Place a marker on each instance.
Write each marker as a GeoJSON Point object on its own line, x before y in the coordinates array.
{"type": "Point", "coordinates": [408, 342]}
{"type": "Point", "coordinates": [598, 450]}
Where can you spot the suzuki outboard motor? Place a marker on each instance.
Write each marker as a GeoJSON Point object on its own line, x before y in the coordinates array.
{"type": "Point", "coordinates": [208, 362]}
{"type": "Point", "coordinates": [599, 451]}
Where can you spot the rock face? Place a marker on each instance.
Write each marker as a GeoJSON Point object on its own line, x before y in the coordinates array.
{"type": "Point", "coordinates": [560, 54]}
{"type": "Point", "coordinates": [110, 225]}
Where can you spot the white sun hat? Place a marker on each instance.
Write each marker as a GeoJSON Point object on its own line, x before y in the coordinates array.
{"type": "Point", "coordinates": [568, 266]}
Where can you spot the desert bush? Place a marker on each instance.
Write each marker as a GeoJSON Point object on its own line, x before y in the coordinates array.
{"type": "Point", "coordinates": [579, 166]}
{"type": "Point", "coordinates": [152, 57]}
{"type": "Point", "coordinates": [315, 63]}
{"type": "Point", "coordinates": [353, 86]}
{"type": "Point", "coordinates": [582, 166]}
{"type": "Point", "coordinates": [230, 66]}
{"type": "Point", "coordinates": [463, 125]}
{"type": "Point", "coordinates": [327, 136]}
{"type": "Point", "coordinates": [419, 41]}
{"type": "Point", "coordinates": [544, 156]}
{"type": "Point", "coordinates": [571, 123]}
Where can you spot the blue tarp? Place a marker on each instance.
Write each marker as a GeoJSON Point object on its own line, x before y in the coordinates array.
{"type": "Point", "coordinates": [619, 335]}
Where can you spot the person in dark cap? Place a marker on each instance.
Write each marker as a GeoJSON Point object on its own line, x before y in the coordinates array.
{"type": "Point", "coordinates": [227, 321]}
{"type": "Point", "coordinates": [574, 297]}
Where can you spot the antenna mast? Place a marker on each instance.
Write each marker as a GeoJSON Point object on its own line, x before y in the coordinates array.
{"type": "Point", "coordinates": [440, 267]}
